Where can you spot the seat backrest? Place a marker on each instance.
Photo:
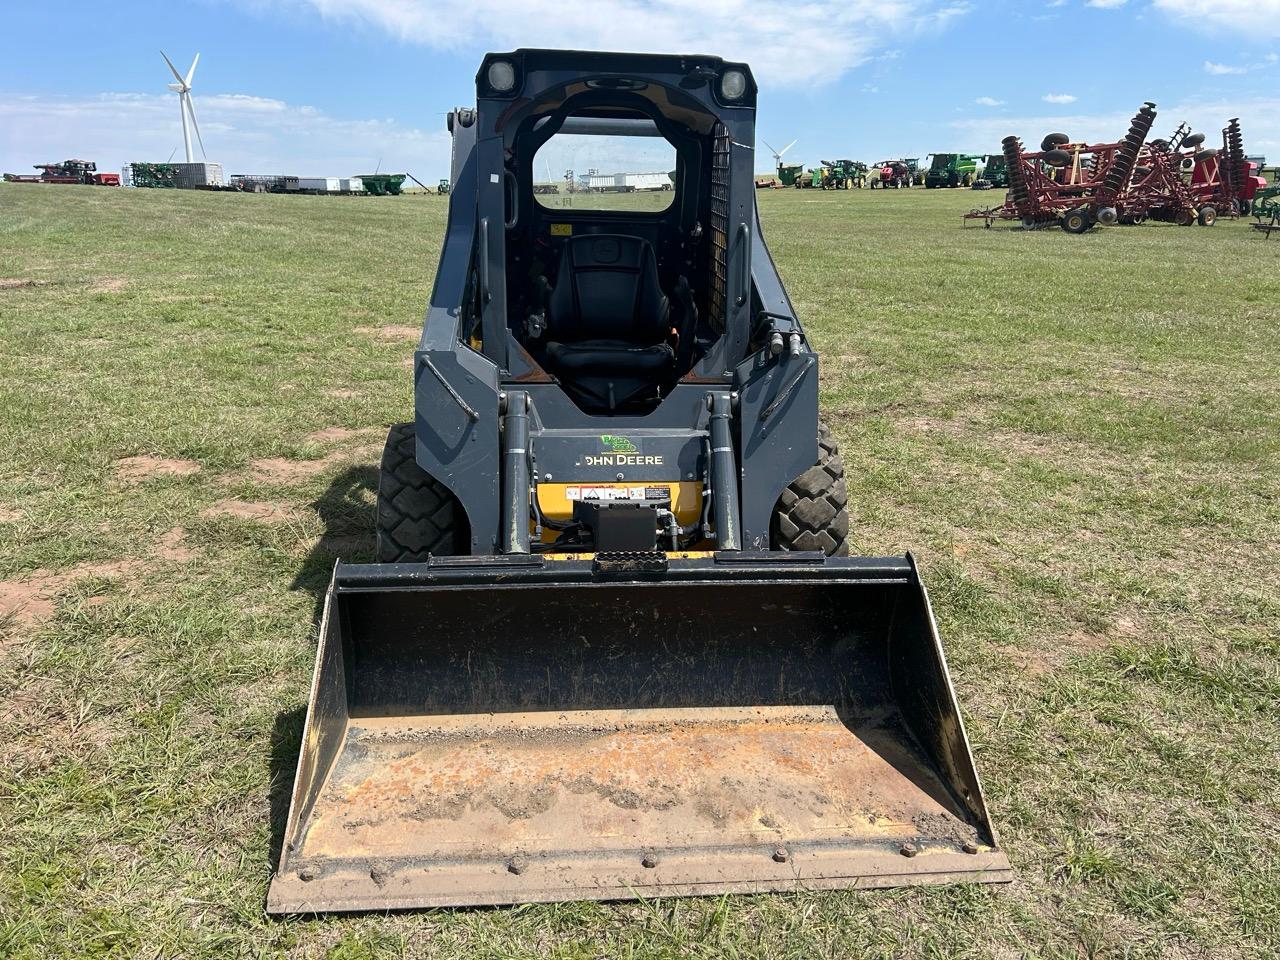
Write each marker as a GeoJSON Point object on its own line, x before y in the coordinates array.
{"type": "Point", "coordinates": [607, 289]}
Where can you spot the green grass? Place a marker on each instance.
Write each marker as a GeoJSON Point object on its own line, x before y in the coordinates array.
{"type": "Point", "coordinates": [1078, 436]}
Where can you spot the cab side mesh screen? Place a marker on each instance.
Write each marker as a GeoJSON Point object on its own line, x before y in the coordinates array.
{"type": "Point", "coordinates": [719, 226]}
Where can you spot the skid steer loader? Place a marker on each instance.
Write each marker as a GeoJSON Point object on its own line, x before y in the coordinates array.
{"type": "Point", "coordinates": [614, 645]}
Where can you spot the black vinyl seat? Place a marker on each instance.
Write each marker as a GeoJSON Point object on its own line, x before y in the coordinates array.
{"type": "Point", "coordinates": [607, 316]}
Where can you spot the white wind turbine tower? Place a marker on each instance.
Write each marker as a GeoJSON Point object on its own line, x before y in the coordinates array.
{"type": "Point", "coordinates": [777, 154]}
{"type": "Point", "coordinates": [183, 89]}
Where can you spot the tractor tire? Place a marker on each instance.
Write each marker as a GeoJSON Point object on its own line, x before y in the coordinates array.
{"type": "Point", "coordinates": [417, 515]}
{"type": "Point", "coordinates": [1053, 140]}
{"type": "Point", "coordinates": [813, 512]}
{"type": "Point", "coordinates": [1207, 217]}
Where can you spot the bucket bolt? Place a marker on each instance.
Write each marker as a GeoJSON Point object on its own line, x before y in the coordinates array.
{"type": "Point", "coordinates": [780, 855]}
{"type": "Point", "coordinates": [518, 864]}
{"type": "Point", "coordinates": [909, 850]}
{"type": "Point", "coordinates": [649, 861]}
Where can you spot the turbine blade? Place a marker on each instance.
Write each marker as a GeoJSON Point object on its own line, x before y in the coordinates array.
{"type": "Point", "coordinates": [191, 107]}
{"type": "Point", "coordinates": [789, 146]}
{"type": "Point", "coordinates": [770, 146]}
{"type": "Point", "coordinates": [192, 72]}
{"type": "Point", "coordinates": [174, 70]}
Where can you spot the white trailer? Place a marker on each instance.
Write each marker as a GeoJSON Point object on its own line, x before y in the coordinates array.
{"type": "Point", "coordinates": [627, 182]}
{"type": "Point", "coordinates": [320, 184]}
{"type": "Point", "coordinates": [646, 181]}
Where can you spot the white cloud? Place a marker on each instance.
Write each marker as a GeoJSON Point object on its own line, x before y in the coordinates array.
{"type": "Point", "coordinates": [1106, 4]}
{"type": "Point", "coordinates": [1259, 121]}
{"type": "Point", "coordinates": [989, 102]}
{"type": "Point", "coordinates": [786, 45]}
{"type": "Point", "coordinates": [246, 134]}
{"type": "Point", "coordinates": [1059, 98]}
{"type": "Point", "coordinates": [1257, 18]}
{"type": "Point", "coordinates": [1222, 69]}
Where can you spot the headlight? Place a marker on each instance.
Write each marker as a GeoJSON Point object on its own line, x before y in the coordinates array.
{"type": "Point", "coordinates": [733, 84]}
{"type": "Point", "coordinates": [501, 76]}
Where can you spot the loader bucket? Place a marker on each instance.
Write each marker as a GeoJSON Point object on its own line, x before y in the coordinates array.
{"type": "Point", "coordinates": [517, 729]}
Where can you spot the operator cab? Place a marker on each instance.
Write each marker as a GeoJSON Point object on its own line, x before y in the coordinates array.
{"type": "Point", "coordinates": [615, 266]}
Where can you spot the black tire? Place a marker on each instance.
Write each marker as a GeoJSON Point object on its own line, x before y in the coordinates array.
{"type": "Point", "coordinates": [1076, 221]}
{"type": "Point", "coordinates": [1052, 140]}
{"type": "Point", "coordinates": [1194, 140]}
{"type": "Point", "coordinates": [417, 515]}
{"type": "Point", "coordinates": [813, 512]}
{"type": "Point", "coordinates": [1207, 216]}
{"type": "Point", "coordinates": [1057, 158]}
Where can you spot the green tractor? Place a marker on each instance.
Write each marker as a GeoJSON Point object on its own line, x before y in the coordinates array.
{"type": "Point", "coordinates": [995, 173]}
{"type": "Point", "coordinates": [952, 170]}
{"type": "Point", "coordinates": [843, 174]}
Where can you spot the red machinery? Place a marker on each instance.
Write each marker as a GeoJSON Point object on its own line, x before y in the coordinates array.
{"type": "Point", "coordinates": [890, 173]}
{"type": "Point", "coordinates": [1075, 185]}
{"type": "Point", "coordinates": [68, 171]}
{"type": "Point", "coordinates": [1080, 185]}
{"type": "Point", "coordinates": [1225, 177]}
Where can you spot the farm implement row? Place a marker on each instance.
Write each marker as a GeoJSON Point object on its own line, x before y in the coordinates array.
{"type": "Point", "coordinates": [1079, 185]}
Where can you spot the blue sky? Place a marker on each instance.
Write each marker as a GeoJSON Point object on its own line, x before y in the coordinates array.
{"type": "Point", "coordinates": [333, 87]}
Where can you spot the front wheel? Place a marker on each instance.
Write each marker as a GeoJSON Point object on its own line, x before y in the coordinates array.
{"type": "Point", "coordinates": [417, 514]}
{"type": "Point", "coordinates": [813, 512]}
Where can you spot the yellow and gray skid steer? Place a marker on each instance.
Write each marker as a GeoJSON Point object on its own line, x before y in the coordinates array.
{"type": "Point", "coordinates": [614, 645]}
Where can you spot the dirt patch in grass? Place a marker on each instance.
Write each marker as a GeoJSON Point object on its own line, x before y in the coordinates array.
{"type": "Point", "coordinates": [283, 471]}
{"type": "Point", "coordinates": [335, 434]}
{"type": "Point", "coordinates": [147, 467]}
{"type": "Point", "coordinates": [33, 598]}
{"type": "Point", "coordinates": [342, 393]}
{"type": "Point", "coordinates": [110, 284]}
{"type": "Point", "coordinates": [8, 515]}
{"type": "Point", "coordinates": [392, 332]}
{"type": "Point", "coordinates": [245, 510]}
{"type": "Point", "coordinates": [17, 283]}
{"type": "Point", "coordinates": [172, 546]}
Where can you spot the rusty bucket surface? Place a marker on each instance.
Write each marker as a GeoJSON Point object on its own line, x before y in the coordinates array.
{"type": "Point", "coordinates": [507, 730]}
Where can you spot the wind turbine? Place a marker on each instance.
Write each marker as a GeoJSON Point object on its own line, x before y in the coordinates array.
{"type": "Point", "coordinates": [183, 89]}
{"type": "Point", "coordinates": [777, 154]}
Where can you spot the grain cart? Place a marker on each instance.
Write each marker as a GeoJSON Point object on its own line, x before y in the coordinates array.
{"type": "Point", "coordinates": [790, 173]}
{"type": "Point", "coordinates": [614, 645]}
{"type": "Point", "coordinates": [383, 184]}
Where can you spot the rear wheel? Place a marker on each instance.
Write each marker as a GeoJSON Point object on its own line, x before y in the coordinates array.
{"type": "Point", "coordinates": [417, 515]}
{"type": "Point", "coordinates": [812, 513]}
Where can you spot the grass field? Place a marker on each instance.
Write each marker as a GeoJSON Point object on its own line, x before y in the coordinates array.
{"type": "Point", "coordinates": [1078, 436]}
